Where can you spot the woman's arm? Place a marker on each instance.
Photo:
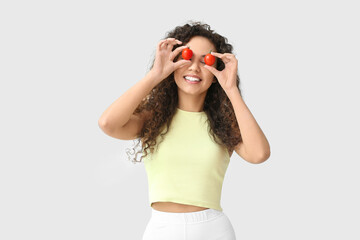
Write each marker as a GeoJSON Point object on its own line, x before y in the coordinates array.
{"type": "Point", "coordinates": [120, 111]}
{"type": "Point", "coordinates": [255, 147]}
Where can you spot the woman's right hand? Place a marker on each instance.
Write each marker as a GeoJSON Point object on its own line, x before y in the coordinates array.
{"type": "Point", "coordinates": [163, 64]}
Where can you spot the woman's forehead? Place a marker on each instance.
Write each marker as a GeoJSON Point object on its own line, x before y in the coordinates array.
{"type": "Point", "coordinates": [199, 41]}
{"type": "Point", "coordinates": [200, 46]}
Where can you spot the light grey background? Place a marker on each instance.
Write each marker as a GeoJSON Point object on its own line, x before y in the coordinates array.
{"type": "Point", "coordinates": [62, 63]}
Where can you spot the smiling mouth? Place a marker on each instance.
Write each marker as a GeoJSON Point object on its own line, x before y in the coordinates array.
{"type": "Point", "coordinates": [192, 79]}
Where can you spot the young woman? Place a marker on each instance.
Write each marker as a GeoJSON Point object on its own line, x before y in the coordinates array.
{"type": "Point", "coordinates": [190, 117]}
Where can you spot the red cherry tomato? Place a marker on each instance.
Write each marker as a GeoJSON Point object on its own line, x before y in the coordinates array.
{"type": "Point", "coordinates": [209, 59]}
{"type": "Point", "coordinates": [187, 53]}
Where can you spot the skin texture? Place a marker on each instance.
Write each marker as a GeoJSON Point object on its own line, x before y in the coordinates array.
{"type": "Point", "coordinates": [176, 207]}
{"type": "Point", "coordinates": [192, 96]}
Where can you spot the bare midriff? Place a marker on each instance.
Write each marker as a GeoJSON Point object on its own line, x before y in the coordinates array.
{"type": "Point", "coordinates": [176, 207]}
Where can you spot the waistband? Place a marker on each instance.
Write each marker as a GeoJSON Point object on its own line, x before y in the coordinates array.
{"type": "Point", "coordinates": [186, 217]}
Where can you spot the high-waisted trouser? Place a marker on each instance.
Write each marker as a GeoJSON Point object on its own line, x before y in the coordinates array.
{"type": "Point", "coordinates": [208, 224]}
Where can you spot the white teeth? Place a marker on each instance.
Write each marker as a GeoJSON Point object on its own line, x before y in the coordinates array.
{"type": "Point", "coordinates": [192, 79]}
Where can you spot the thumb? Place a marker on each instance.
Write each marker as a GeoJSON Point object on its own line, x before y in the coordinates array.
{"type": "Point", "coordinates": [212, 70]}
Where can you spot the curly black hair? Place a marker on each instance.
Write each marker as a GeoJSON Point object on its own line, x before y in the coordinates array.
{"type": "Point", "coordinates": [161, 103]}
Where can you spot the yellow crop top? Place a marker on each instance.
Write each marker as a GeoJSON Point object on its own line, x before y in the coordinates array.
{"type": "Point", "coordinates": [188, 166]}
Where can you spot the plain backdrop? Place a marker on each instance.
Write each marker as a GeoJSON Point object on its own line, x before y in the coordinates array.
{"type": "Point", "coordinates": [62, 63]}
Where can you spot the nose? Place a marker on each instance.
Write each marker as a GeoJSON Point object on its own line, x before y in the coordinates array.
{"type": "Point", "coordinates": [194, 66]}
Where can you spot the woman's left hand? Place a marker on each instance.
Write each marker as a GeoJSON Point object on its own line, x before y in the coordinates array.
{"type": "Point", "coordinates": [226, 77]}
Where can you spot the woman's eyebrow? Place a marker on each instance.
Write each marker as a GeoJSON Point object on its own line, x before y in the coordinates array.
{"type": "Point", "coordinates": [201, 55]}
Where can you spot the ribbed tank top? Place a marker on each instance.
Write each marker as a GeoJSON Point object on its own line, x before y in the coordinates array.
{"type": "Point", "coordinates": [188, 166]}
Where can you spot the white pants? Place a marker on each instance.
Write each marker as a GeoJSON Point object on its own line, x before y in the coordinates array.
{"type": "Point", "coordinates": [208, 224]}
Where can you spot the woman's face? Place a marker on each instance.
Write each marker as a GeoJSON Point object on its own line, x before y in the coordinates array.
{"type": "Point", "coordinates": [200, 47]}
